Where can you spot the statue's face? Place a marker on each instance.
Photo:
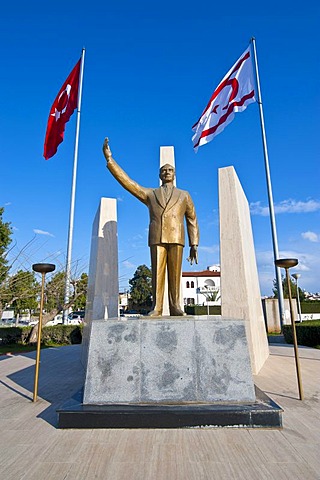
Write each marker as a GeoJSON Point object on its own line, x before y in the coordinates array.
{"type": "Point", "coordinates": [167, 173]}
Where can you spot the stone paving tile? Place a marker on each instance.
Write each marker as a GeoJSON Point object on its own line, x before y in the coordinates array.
{"type": "Point", "coordinates": [292, 471]}
{"type": "Point", "coordinates": [47, 471]}
{"type": "Point", "coordinates": [31, 447]}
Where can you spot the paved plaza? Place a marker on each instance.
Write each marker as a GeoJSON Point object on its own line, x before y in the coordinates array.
{"type": "Point", "coordinates": [31, 446]}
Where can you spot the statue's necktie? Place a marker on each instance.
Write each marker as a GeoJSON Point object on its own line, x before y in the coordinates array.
{"type": "Point", "coordinates": [167, 192]}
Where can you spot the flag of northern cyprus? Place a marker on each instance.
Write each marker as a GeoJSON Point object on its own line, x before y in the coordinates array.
{"type": "Point", "coordinates": [233, 94]}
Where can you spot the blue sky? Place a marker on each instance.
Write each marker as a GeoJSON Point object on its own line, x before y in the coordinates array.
{"type": "Point", "coordinates": [150, 69]}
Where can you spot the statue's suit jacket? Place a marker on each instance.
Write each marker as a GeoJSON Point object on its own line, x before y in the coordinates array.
{"type": "Point", "coordinates": [166, 218]}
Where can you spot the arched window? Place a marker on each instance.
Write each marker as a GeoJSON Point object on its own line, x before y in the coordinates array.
{"type": "Point", "coordinates": [192, 284]}
{"type": "Point", "coordinates": [188, 285]}
{"type": "Point", "coordinates": [209, 283]}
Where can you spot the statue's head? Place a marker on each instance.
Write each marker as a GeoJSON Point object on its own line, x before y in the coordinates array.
{"type": "Point", "coordinates": [167, 173]}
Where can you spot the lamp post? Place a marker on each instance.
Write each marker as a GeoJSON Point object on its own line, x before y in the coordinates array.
{"type": "Point", "coordinates": [296, 276]}
{"type": "Point", "coordinates": [287, 263]}
{"type": "Point", "coordinates": [42, 268]}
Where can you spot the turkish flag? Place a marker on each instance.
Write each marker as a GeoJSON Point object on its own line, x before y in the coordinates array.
{"type": "Point", "coordinates": [63, 107]}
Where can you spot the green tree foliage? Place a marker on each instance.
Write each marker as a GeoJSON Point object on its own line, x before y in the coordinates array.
{"type": "Point", "coordinates": [54, 292]}
{"type": "Point", "coordinates": [293, 287]}
{"type": "Point", "coordinates": [80, 292]}
{"type": "Point", "coordinates": [5, 240]}
{"type": "Point", "coordinates": [141, 287]}
{"type": "Point", "coordinates": [24, 291]}
{"type": "Point", "coordinates": [212, 296]}
{"type": "Point", "coordinates": [54, 298]}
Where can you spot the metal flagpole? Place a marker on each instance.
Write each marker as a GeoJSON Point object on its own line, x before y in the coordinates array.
{"type": "Point", "coordinates": [270, 196]}
{"type": "Point", "coordinates": [73, 194]}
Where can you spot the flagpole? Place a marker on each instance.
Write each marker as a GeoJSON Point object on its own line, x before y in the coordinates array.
{"type": "Point", "coordinates": [73, 195]}
{"type": "Point", "coordinates": [270, 196]}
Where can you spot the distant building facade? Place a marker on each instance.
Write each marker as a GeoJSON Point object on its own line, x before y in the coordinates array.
{"type": "Point", "coordinates": [202, 288]}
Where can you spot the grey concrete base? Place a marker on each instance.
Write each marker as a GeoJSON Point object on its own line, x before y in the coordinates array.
{"type": "Point", "coordinates": [263, 413]}
{"type": "Point", "coordinates": [175, 361]}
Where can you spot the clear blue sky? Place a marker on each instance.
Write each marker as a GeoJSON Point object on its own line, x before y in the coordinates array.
{"type": "Point", "coordinates": [150, 70]}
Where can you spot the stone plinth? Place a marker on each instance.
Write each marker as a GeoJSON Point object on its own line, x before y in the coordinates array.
{"type": "Point", "coordinates": [240, 291]}
{"type": "Point", "coordinates": [143, 361]}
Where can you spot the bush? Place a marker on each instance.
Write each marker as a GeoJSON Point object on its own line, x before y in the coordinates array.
{"type": "Point", "coordinates": [9, 335]}
{"type": "Point", "coordinates": [203, 310]}
{"type": "Point", "coordinates": [58, 334]}
{"type": "Point", "coordinates": [308, 333]}
{"type": "Point", "coordinates": [310, 307]}
{"type": "Point", "coordinates": [62, 334]}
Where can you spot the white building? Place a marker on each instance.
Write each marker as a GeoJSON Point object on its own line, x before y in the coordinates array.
{"type": "Point", "coordinates": [202, 288]}
{"type": "Point", "coordinates": [123, 299]}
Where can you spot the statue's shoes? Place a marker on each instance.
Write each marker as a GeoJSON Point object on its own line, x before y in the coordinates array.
{"type": "Point", "coordinates": [176, 312]}
{"type": "Point", "coordinates": [154, 313]}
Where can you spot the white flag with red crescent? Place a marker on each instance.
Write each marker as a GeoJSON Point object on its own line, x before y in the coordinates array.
{"type": "Point", "coordinates": [233, 94]}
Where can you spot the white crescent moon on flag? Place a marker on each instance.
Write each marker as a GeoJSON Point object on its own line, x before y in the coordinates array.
{"type": "Point", "coordinates": [57, 114]}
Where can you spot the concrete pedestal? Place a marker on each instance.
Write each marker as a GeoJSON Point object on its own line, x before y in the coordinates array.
{"type": "Point", "coordinates": [143, 361]}
{"type": "Point", "coordinates": [169, 373]}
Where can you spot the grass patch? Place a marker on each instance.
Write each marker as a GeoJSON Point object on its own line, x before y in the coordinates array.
{"type": "Point", "coordinates": [16, 348]}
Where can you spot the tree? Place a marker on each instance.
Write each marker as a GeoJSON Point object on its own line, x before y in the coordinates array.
{"type": "Point", "coordinates": [293, 287]}
{"type": "Point", "coordinates": [80, 292]}
{"type": "Point", "coordinates": [5, 240]}
{"type": "Point", "coordinates": [54, 292]}
{"type": "Point", "coordinates": [19, 291]}
{"type": "Point", "coordinates": [212, 296]}
{"type": "Point", "coordinates": [54, 296]}
{"type": "Point", "coordinates": [24, 290]}
{"type": "Point", "coordinates": [141, 287]}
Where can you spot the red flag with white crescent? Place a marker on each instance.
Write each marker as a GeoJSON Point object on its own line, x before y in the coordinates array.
{"type": "Point", "coordinates": [233, 94]}
{"type": "Point", "coordinates": [62, 108]}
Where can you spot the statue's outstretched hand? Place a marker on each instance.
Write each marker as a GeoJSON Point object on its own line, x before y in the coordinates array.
{"type": "Point", "coordinates": [106, 149]}
{"type": "Point", "coordinates": [193, 255]}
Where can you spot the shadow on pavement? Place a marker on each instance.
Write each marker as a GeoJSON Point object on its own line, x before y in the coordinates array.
{"type": "Point", "coordinates": [61, 375]}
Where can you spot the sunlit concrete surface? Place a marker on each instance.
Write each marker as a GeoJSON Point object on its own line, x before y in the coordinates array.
{"type": "Point", "coordinates": [31, 446]}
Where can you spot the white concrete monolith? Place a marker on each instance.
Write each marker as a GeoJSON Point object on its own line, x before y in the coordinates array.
{"type": "Point", "coordinates": [103, 284]}
{"type": "Point", "coordinates": [240, 291]}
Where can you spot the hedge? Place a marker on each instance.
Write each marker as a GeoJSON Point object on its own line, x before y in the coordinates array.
{"type": "Point", "coordinates": [59, 334]}
{"type": "Point", "coordinates": [203, 310]}
{"type": "Point", "coordinates": [310, 307]}
{"type": "Point", "coordinates": [308, 333]}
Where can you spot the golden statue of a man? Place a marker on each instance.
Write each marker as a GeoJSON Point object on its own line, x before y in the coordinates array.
{"type": "Point", "coordinates": [168, 207]}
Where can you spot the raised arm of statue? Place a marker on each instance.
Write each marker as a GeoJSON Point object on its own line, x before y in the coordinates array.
{"type": "Point", "coordinates": [106, 149]}
{"type": "Point", "coordinates": [120, 175]}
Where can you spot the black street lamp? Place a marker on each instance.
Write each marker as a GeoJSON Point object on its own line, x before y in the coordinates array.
{"type": "Point", "coordinates": [42, 268]}
{"type": "Point", "coordinates": [287, 263]}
